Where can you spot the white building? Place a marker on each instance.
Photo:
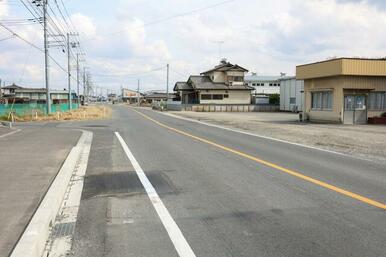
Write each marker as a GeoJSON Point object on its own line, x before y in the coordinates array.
{"type": "Point", "coordinates": [264, 85]}
{"type": "Point", "coordinates": [291, 94]}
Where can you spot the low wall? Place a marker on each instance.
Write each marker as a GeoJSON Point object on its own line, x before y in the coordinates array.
{"type": "Point", "coordinates": [174, 106]}
{"type": "Point", "coordinates": [224, 108]}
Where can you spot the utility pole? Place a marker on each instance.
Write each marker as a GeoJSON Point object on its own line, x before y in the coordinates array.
{"type": "Point", "coordinates": [46, 64]}
{"type": "Point", "coordinates": [88, 87]}
{"type": "Point", "coordinates": [77, 78]}
{"type": "Point", "coordinates": [69, 44]}
{"type": "Point", "coordinates": [138, 94]}
{"type": "Point", "coordinates": [84, 86]}
{"type": "Point", "coordinates": [167, 83]}
{"type": "Point", "coordinates": [69, 71]}
{"type": "Point", "coordinates": [220, 43]}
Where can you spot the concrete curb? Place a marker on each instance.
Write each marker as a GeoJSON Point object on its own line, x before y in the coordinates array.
{"type": "Point", "coordinates": [6, 124]}
{"type": "Point", "coordinates": [33, 240]}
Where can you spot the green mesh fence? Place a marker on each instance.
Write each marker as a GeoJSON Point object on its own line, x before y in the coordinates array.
{"type": "Point", "coordinates": [30, 109]}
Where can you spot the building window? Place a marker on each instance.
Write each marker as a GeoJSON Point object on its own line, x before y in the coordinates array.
{"type": "Point", "coordinates": [218, 97]}
{"type": "Point", "coordinates": [238, 79]}
{"type": "Point", "coordinates": [322, 100]}
{"type": "Point", "coordinates": [254, 84]}
{"type": "Point", "coordinates": [270, 84]}
{"type": "Point", "coordinates": [214, 97]}
{"type": "Point", "coordinates": [206, 97]}
{"type": "Point", "coordinates": [377, 101]}
{"type": "Point", "coordinates": [293, 100]}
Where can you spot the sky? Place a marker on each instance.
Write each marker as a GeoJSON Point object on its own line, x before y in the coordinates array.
{"type": "Point", "coordinates": [127, 40]}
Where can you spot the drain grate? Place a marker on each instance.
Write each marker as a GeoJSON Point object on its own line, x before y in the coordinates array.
{"type": "Point", "coordinates": [63, 230]}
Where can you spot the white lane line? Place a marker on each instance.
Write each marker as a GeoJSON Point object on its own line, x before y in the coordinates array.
{"type": "Point", "coordinates": [175, 234]}
{"type": "Point", "coordinates": [10, 133]}
{"type": "Point", "coordinates": [264, 137]}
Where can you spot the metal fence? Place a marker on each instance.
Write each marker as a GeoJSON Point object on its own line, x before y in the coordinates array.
{"type": "Point", "coordinates": [33, 108]}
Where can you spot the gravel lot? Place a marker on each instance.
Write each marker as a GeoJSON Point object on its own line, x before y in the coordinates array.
{"type": "Point", "coordinates": [365, 141]}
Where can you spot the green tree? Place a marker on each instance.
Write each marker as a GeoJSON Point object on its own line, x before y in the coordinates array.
{"type": "Point", "coordinates": [274, 99]}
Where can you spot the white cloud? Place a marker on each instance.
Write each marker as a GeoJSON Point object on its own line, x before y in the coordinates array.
{"type": "Point", "coordinates": [84, 24]}
{"type": "Point", "coordinates": [4, 8]}
{"type": "Point", "coordinates": [264, 36]}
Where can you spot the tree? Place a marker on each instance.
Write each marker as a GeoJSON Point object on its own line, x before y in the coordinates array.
{"type": "Point", "coordinates": [274, 99]}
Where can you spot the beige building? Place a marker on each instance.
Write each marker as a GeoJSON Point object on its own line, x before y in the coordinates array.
{"type": "Point", "coordinates": [344, 90]}
{"type": "Point", "coordinates": [130, 96]}
{"type": "Point", "coordinates": [223, 84]}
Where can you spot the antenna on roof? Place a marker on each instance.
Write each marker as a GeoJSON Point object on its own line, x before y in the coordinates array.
{"type": "Point", "coordinates": [224, 61]}
{"type": "Point", "coordinates": [220, 43]}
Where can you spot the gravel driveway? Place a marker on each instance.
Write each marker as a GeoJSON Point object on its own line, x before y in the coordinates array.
{"type": "Point", "coordinates": [365, 141]}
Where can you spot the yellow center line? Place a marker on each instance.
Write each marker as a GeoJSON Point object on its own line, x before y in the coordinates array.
{"type": "Point", "coordinates": [274, 166]}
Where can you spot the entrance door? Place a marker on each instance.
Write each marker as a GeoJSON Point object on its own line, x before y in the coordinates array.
{"type": "Point", "coordinates": [355, 111]}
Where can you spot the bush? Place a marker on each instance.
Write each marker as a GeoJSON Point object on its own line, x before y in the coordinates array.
{"type": "Point", "coordinates": [383, 115]}
{"type": "Point", "coordinates": [274, 99]}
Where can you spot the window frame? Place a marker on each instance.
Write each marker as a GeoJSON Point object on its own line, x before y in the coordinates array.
{"type": "Point", "coordinates": [214, 97]}
{"type": "Point", "coordinates": [378, 96]}
{"type": "Point", "coordinates": [322, 100]}
{"type": "Point", "coordinates": [203, 97]}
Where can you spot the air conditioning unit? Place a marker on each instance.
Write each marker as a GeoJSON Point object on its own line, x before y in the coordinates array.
{"type": "Point", "coordinates": [295, 108]}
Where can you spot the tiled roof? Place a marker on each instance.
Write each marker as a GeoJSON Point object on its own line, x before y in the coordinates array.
{"type": "Point", "coordinates": [181, 86]}
{"type": "Point", "coordinates": [226, 67]}
{"type": "Point", "coordinates": [205, 83]}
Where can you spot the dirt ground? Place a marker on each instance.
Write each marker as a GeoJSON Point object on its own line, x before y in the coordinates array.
{"type": "Point", "coordinates": [92, 112]}
{"type": "Point", "coordinates": [365, 141]}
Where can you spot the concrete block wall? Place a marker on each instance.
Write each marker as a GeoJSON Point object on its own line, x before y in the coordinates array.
{"type": "Point", "coordinates": [229, 108]}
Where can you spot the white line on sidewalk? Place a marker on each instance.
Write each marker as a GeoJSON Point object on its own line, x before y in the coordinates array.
{"type": "Point", "coordinates": [175, 234]}
{"type": "Point", "coordinates": [10, 133]}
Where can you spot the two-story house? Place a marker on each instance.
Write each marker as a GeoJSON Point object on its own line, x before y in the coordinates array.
{"type": "Point", "coordinates": [224, 84]}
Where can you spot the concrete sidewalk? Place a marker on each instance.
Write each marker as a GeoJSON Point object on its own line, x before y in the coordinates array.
{"type": "Point", "coordinates": [29, 161]}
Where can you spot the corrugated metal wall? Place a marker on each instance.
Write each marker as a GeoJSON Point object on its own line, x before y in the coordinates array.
{"type": "Point", "coordinates": [357, 67]}
{"type": "Point", "coordinates": [291, 88]}
{"type": "Point", "coordinates": [364, 67]}
{"type": "Point", "coordinates": [319, 70]}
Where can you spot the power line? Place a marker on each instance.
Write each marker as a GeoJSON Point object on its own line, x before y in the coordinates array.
{"type": "Point", "coordinates": [129, 75]}
{"type": "Point", "coordinates": [37, 14]}
{"type": "Point", "coordinates": [171, 17]}
{"type": "Point", "coordinates": [7, 38]}
{"type": "Point", "coordinates": [32, 45]}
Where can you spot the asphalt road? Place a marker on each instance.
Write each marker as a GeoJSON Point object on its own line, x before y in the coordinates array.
{"type": "Point", "coordinates": [224, 202]}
